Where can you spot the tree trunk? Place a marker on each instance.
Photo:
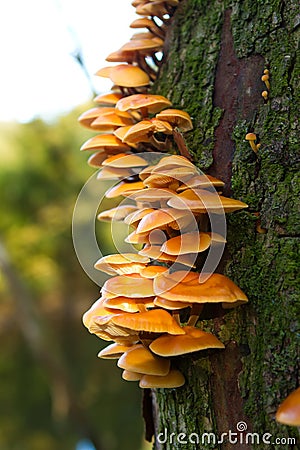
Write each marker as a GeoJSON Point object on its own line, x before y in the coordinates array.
{"type": "Point", "coordinates": [216, 52]}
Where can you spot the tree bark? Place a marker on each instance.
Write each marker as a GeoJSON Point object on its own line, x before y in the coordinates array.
{"type": "Point", "coordinates": [216, 53]}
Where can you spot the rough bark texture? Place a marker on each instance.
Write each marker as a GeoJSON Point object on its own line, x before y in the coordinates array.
{"type": "Point", "coordinates": [216, 52]}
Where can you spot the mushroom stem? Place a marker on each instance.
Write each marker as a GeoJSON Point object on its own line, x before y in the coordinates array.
{"type": "Point", "coordinates": [253, 146]}
{"type": "Point", "coordinates": [194, 316]}
{"type": "Point", "coordinates": [159, 32]}
{"type": "Point", "coordinates": [156, 61]}
{"type": "Point", "coordinates": [176, 316]}
{"type": "Point", "coordinates": [180, 142]}
{"type": "Point", "coordinates": [141, 307]}
{"type": "Point", "coordinates": [144, 66]}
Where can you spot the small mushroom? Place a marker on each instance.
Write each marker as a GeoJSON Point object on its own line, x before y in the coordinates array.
{"type": "Point", "coordinates": [251, 137]}
{"type": "Point", "coordinates": [265, 79]}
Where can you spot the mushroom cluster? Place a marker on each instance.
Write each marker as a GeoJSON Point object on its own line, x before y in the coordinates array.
{"type": "Point", "coordinates": [150, 306]}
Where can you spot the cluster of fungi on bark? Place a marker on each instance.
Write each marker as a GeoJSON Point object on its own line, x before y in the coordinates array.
{"type": "Point", "coordinates": [151, 305]}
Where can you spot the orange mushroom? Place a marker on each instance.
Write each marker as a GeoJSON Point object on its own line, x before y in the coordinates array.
{"type": "Point", "coordinates": [139, 359]}
{"type": "Point", "coordinates": [173, 379]}
{"type": "Point", "coordinates": [193, 340]}
{"type": "Point", "coordinates": [288, 412]}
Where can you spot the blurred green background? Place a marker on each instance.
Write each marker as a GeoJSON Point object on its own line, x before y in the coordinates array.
{"type": "Point", "coordinates": [54, 391]}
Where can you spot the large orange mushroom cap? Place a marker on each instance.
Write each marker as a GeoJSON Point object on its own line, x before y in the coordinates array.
{"type": "Point", "coordinates": [193, 340]}
{"type": "Point", "coordinates": [201, 200]}
{"type": "Point", "coordinates": [179, 286]}
{"type": "Point", "coordinates": [153, 321]}
{"type": "Point", "coordinates": [288, 412]}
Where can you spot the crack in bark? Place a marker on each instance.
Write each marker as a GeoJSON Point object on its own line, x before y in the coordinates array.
{"type": "Point", "coordinates": [237, 92]}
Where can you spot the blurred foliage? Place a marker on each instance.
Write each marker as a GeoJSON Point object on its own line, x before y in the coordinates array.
{"type": "Point", "coordinates": [54, 390]}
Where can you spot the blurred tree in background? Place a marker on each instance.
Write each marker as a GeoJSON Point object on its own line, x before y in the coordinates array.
{"type": "Point", "coordinates": [54, 390]}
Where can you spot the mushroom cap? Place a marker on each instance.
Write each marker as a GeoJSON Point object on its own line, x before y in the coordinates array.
{"type": "Point", "coordinates": [122, 56]}
{"type": "Point", "coordinates": [173, 161]}
{"type": "Point", "coordinates": [125, 75]}
{"type": "Point", "coordinates": [126, 160]}
{"type": "Point", "coordinates": [128, 304]}
{"type": "Point", "coordinates": [186, 243]}
{"type": "Point", "coordinates": [154, 252]}
{"type": "Point", "coordinates": [173, 379]}
{"type": "Point", "coordinates": [129, 286]}
{"type": "Point", "coordinates": [121, 258]}
{"type": "Point", "coordinates": [143, 45]}
{"type": "Point", "coordinates": [250, 137]}
{"type": "Point", "coordinates": [108, 99]}
{"type": "Point", "coordinates": [151, 9]}
{"type": "Point", "coordinates": [135, 217]}
{"type": "Point", "coordinates": [184, 286]}
{"type": "Point", "coordinates": [152, 271]}
{"type": "Point", "coordinates": [123, 188]}
{"type": "Point", "coordinates": [159, 218]}
{"type": "Point", "coordinates": [86, 118]}
{"type": "Point", "coordinates": [131, 376]}
{"type": "Point", "coordinates": [140, 132]}
{"type": "Point", "coordinates": [153, 103]}
{"type": "Point", "coordinates": [116, 214]}
{"type": "Point", "coordinates": [111, 121]}
{"type": "Point", "coordinates": [139, 359]}
{"type": "Point", "coordinates": [288, 412]}
{"type": "Point", "coordinates": [153, 195]}
{"type": "Point", "coordinates": [111, 173]}
{"type": "Point", "coordinates": [201, 181]}
{"type": "Point", "coordinates": [172, 305]}
{"type": "Point", "coordinates": [135, 238]}
{"type": "Point", "coordinates": [193, 340]}
{"type": "Point", "coordinates": [201, 200]}
{"type": "Point", "coordinates": [105, 142]}
{"type": "Point", "coordinates": [177, 118]}
{"type": "Point", "coordinates": [113, 351]}
{"type": "Point", "coordinates": [153, 321]}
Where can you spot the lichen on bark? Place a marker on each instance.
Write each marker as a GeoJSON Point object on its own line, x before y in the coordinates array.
{"type": "Point", "coordinates": [260, 365]}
